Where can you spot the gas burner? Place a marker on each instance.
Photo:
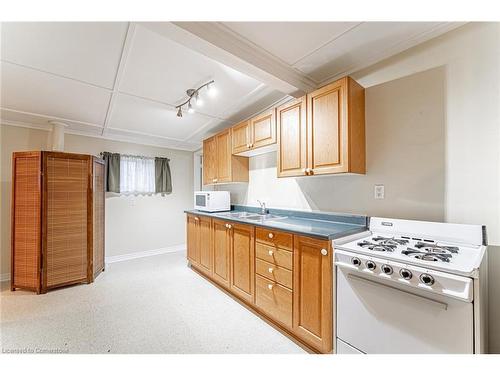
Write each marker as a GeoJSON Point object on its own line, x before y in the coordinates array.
{"type": "Point", "coordinates": [390, 241]}
{"type": "Point", "coordinates": [426, 255]}
{"type": "Point", "coordinates": [436, 249]}
{"type": "Point", "coordinates": [376, 246]}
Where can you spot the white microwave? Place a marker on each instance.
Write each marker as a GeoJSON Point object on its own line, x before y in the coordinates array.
{"type": "Point", "coordinates": [212, 201]}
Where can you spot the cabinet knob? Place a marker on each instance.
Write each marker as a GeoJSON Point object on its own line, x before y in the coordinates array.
{"type": "Point", "coordinates": [229, 226]}
{"type": "Point", "coordinates": [324, 252]}
{"type": "Point", "coordinates": [248, 145]}
{"type": "Point", "coordinates": [270, 253]}
{"type": "Point", "coordinates": [270, 269]}
{"type": "Point", "coordinates": [251, 144]}
{"type": "Point", "coordinates": [270, 286]}
{"type": "Point", "coordinates": [270, 235]}
{"type": "Point", "coordinates": [196, 218]}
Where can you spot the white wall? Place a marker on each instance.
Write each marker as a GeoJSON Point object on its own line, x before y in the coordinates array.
{"type": "Point", "coordinates": [466, 174]}
{"type": "Point", "coordinates": [133, 223]}
{"type": "Point", "coordinates": [405, 151]}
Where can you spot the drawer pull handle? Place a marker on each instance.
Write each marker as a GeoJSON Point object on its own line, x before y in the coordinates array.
{"type": "Point", "coordinates": [270, 235]}
{"type": "Point", "coordinates": [270, 270]}
{"type": "Point", "coordinates": [270, 286]}
{"type": "Point", "coordinates": [324, 252]}
{"type": "Point", "coordinates": [270, 253]}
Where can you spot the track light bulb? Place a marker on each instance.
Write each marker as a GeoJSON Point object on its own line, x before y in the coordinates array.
{"type": "Point", "coordinates": [212, 91]}
{"type": "Point", "coordinates": [190, 108]}
{"type": "Point", "coordinates": [179, 112]}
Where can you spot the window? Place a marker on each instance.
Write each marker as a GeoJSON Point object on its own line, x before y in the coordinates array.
{"type": "Point", "coordinates": [137, 174]}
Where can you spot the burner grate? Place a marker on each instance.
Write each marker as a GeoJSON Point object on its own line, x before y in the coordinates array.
{"type": "Point", "coordinates": [390, 241]}
{"type": "Point", "coordinates": [426, 255]}
{"type": "Point", "coordinates": [436, 249]}
{"type": "Point", "coordinates": [377, 246]}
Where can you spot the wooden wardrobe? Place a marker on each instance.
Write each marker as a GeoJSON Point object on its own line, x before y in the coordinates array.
{"type": "Point", "coordinates": [57, 219]}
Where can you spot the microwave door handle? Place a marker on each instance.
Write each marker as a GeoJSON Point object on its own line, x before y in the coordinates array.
{"type": "Point", "coordinates": [380, 285]}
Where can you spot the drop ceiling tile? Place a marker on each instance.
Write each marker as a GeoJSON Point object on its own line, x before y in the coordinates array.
{"type": "Point", "coordinates": [33, 91]}
{"type": "Point", "coordinates": [146, 117]}
{"type": "Point", "coordinates": [362, 46]}
{"type": "Point", "coordinates": [87, 51]}
{"type": "Point", "coordinates": [290, 41]}
{"type": "Point", "coordinates": [160, 69]}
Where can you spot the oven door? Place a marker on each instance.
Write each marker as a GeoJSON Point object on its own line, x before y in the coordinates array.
{"type": "Point", "coordinates": [375, 316]}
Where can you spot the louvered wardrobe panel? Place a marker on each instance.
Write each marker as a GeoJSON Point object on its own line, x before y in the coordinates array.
{"type": "Point", "coordinates": [66, 220]}
{"type": "Point", "coordinates": [26, 221]}
{"type": "Point", "coordinates": [98, 216]}
{"type": "Point", "coordinates": [57, 227]}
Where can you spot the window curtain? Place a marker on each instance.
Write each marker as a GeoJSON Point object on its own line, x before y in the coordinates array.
{"type": "Point", "coordinates": [112, 163]}
{"type": "Point", "coordinates": [163, 178]}
{"type": "Point", "coordinates": [137, 174]}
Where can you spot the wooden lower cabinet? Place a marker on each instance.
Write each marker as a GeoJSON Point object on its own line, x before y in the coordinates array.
{"type": "Point", "coordinates": [221, 246]}
{"type": "Point", "coordinates": [313, 278]}
{"type": "Point", "coordinates": [242, 249]}
{"type": "Point", "coordinates": [288, 278]}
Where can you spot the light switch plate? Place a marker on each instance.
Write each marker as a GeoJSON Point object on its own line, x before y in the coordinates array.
{"type": "Point", "coordinates": [379, 191]}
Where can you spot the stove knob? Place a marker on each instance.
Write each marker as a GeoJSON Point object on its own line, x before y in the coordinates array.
{"type": "Point", "coordinates": [427, 279]}
{"type": "Point", "coordinates": [355, 261]}
{"type": "Point", "coordinates": [371, 265]}
{"type": "Point", "coordinates": [405, 274]}
{"type": "Point", "coordinates": [387, 269]}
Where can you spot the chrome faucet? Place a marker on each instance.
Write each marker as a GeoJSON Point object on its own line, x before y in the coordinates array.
{"type": "Point", "coordinates": [262, 207]}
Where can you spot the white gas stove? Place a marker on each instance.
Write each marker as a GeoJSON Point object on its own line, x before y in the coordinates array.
{"type": "Point", "coordinates": [412, 287]}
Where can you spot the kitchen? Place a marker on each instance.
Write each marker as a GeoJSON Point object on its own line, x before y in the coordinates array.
{"type": "Point", "coordinates": [340, 196]}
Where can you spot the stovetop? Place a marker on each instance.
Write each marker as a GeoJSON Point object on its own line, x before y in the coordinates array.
{"type": "Point", "coordinates": [444, 256]}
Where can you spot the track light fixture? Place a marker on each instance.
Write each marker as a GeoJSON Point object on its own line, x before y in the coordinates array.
{"type": "Point", "coordinates": [194, 94]}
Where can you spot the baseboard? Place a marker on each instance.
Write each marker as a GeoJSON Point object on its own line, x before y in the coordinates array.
{"type": "Point", "coordinates": [4, 277]}
{"type": "Point", "coordinates": [147, 253]}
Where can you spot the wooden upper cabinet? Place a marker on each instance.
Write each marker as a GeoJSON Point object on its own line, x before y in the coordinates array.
{"type": "Point", "coordinates": [241, 137]}
{"type": "Point", "coordinates": [336, 128]}
{"type": "Point", "coordinates": [242, 281]}
{"type": "Point", "coordinates": [312, 292]}
{"type": "Point", "coordinates": [223, 141]}
{"type": "Point", "coordinates": [263, 129]}
{"type": "Point", "coordinates": [292, 141]}
{"type": "Point", "coordinates": [209, 161]}
{"type": "Point", "coordinates": [256, 133]}
{"type": "Point", "coordinates": [219, 165]}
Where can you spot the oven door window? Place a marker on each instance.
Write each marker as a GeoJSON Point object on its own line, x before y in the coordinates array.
{"type": "Point", "coordinates": [201, 200]}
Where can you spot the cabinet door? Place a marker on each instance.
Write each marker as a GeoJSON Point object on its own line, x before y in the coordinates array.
{"type": "Point", "coordinates": [242, 260]}
{"type": "Point", "coordinates": [209, 161]}
{"type": "Point", "coordinates": [292, 146]}
{"type": "Point", "coordinates": [312, 292]}
{"type": "Point", "coordinates": [221, 247]}
{"type": "Point", "coordinates": [240, 135]}
{"type": "Point", "coordinates": [193, 248]}
{"type": "Point", "coordinates": [263, 128]}
{"type": "Point", "coordinates": [327, 129]}
{"type": "Point", "coordinates": [205, 243]}
{"type": "Point", "coordinates": [223, 147]}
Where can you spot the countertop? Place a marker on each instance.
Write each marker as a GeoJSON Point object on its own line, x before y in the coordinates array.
{"type": "Point", "coordinates": [324, 225]}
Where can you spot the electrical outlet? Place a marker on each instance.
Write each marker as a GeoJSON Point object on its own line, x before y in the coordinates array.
{"type": "Point", "coordinates": [379, 191]}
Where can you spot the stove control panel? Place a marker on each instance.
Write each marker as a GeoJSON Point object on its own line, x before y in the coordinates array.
{"type": "Point", "coordinates": [443, 283]}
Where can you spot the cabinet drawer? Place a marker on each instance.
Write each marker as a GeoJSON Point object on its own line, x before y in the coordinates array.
{"type": "Point", "coordinates": [274, 238]}
{"type": "Point", "coordinates": [274, 273]}
{"type": "Point", "coordinates": [274, 300]}
{"type": "Point", "coordinates": [273, 255]}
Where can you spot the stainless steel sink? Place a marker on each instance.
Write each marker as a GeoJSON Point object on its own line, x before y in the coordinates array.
{"type": "Point", "coordinates": [252, 216]}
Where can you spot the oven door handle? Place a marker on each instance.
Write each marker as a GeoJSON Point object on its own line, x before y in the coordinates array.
{"type": "Point", "coordinates": [380, 285]}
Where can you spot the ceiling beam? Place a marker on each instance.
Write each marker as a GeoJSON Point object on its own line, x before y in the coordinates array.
{"type": "Point", "coordinates": [221, 44]}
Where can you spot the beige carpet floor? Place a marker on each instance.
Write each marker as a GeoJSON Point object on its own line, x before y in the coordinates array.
{"type": "Point", "coordinates": [147, 305]}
